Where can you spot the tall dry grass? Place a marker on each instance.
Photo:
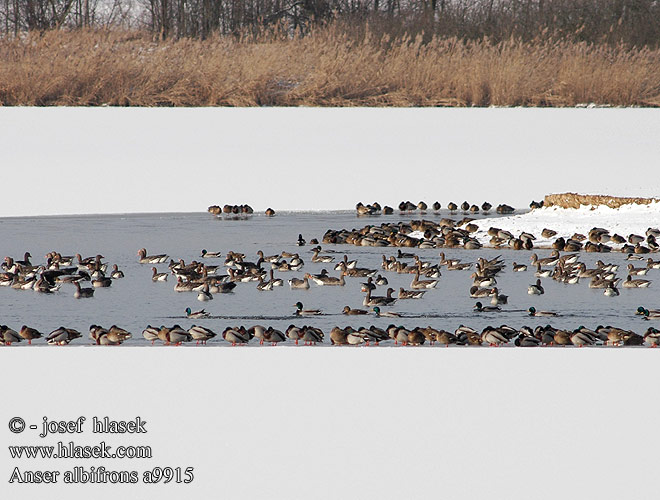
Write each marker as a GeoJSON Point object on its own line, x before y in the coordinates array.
{"type": "Point", "coordinates": [326, 68]}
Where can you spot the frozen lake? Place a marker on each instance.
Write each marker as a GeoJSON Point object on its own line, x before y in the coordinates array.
{"type": "Point", "coordinates": [135, 301]}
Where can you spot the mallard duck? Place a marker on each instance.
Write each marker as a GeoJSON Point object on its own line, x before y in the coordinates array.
{"type": "Point", "coordinates": [386, 314]}
{"type": "Point", "coordinates": [411, 294]}
{"type": "Point", "coordinates": [9, 336]}
{"type": "Point", "coordinates": [151, 259]}
{"type": "Point", "coordinates": [29, 333]}
{"type": "Point", "coordinates": [533, 312]}
{"type": "Point", "coordinates": [210, 255]}
{"type": "Point", "coordinates": [493, 337]}
{"type": "Point", "coordinates": [305, 312]}
{"type": "Point", "coordinates": [177, 335]}
{"type": "Point", "coordinates": [652, 337]}
{"type": "Point", "coordinates": [648, 314]}
{"type": "Point", "coordinates": [479, 307]}
{"type": "Point", "coordinates": [536, 289]}
{"type": "Point", "coordinates": [196, 314]}
{"type": "Point", "coordinates": [150, 333]}
{"type": "Point", "coordinates": [62, 336]}
{"type": "Point", "coordinates": [201, 334]}
{"type": "Point", "coordinates": [273, 336]}
{"type": "Point", "coordinates": [353, 312]}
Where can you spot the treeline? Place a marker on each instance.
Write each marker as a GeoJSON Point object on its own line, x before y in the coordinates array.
{"type": "Point", "coordinates": [632, 22]}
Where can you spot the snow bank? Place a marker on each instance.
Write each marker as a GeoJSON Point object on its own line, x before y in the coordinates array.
{"type": "Point", "coordinates": [624, 220]}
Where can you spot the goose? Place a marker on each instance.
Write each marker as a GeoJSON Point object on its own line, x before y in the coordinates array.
{"type": "Point", "coordinates": [150, 333]}
{"type": "Point", "coordinates": [476, 292]}
{"type": "Point", "coordinates": [548, 261]}
{"type": "Point", "coordinates": [201, 334]}
{"type": "Point", "coordinates": [418, 284]}
{"type": "Point", "coordinates": [275, 281]}
{"type": "Point", "coordinates": [353, 312]}
{"type": "Point", "coordinates": [653, 264]}
{"type": "Point", "coordinates": [182, 286]}
{"type": "Point", "coordinates": [330, 280]}
{"type": "Point", "coordinates": [533, 312]}
{"type": "Point", "coordinates": [305, 312]}
{"type": "Point", "coordinates": [497, 297]}
{"type": "Point", "coordinates": [632, 256]}
{"type": "Point", "coordinates": [151, 259]}
{"type": "Point", "coordinates": [82, 293]}
{"type": "Point", "coordinates": [196, 314]}
{"type": "Point", "coordinates": [411, 294]}
{"type": "Point", "coordinates": [321, 258]}
{"type": "Point", "coordinates": [637, 271]}
{"type": "Point", "coordinates": [386, 314]}
{"type": "Point", "coordinates": [204, 294]}
{"type": "Point", "coordinates": [29, 334]}
{"type": "Point", "coordinates": [210, 255]}
{"type": "Point", "coordinates": [116, 273]}
{"type": "Point", "coordinates": [102, 282]}
{"type": "Point", "coordinates": [479, 307]}
{"type": "Point", "coordinates": [264, 285]}
{"type": "Point", "coordinates": [631, 283]}
{"type": "Point", "coordinates": [350, 264]}
{"type": "Point", "coordinates": [483, 281]}
{"type": "Point", "coordinates": [62, 336]}
{"type": "Point", "coordinates": [273, 258]}
{"type": "Point", "coordinates": [542, 273]}
{"type": "Point", "coordinates": [299, 284]}
{"type": "Point", "coordinates": [369, 285]}
{"type": "Point", "coordinates": [156, 276]}
{"type": "Point", "coordinates": [536, 289]}
{"type": "Point", "coordinates": [370, 300]}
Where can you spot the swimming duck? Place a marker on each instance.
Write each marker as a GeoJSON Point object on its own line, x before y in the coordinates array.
{"type": "Point", "coordinates": [201, 334]}
{"type": "Point", "coordinates": [116, 273]}
{"type": "Point", "coordinates": [611, 290]}
{"type": "Point", "coordinates": [386, 314]}
{"type": "Point", "coordinates": [196, 314]}
{"type": "Point", "coordinates": [411, 294]}
{"type": "Point", "coordinates": [151, 259]}
{"type": "Point", "coordinates": [648, 314]}
{"type": "Point", "coordinates": [536, 289]}
{"type": "Point", "coordinates": [301, 241]}
{"type": "Point", "coordinates": [533, 312]}
{"type": "Point", "coordinates": [353, 312]}
{"type": "Point", "coordinates": [210, 255]}
{"type": "Point", "coordinates": [381, 280]}
{"type": "Point", "coordinates": [479, 307]}
{"type": "Point", "coordinates": [82, 293]}
{"type": "Point", "coordinates": [305, 312]}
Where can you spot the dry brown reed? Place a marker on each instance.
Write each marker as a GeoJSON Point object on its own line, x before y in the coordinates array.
{"type": "Point", "coordinates": [326, 68]}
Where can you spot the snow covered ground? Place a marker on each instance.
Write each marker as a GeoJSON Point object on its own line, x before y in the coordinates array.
{"type": "Point", "coordinates": [117, 160]}
{"type": "Point", "coordinates": [624, 220]}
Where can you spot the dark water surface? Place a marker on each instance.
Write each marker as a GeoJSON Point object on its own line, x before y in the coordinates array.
{"type": "Point", "coordinates": [135, 301]}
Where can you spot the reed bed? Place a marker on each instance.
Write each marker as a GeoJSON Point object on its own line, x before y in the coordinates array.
{"type": "Point", "coordinates": [326, 68]}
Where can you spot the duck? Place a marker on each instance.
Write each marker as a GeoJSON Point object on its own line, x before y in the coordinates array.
{"type": "Point", "coordinates": [204, 294]}
{"type": "Point", "coordinates": [649, 314]}
{"type": "Point", "coordinates": [536, 289]}
{"type": "Point", "coordinates": [29, 334]}
{"type": "Point", "coordinates": [305, 312]}
{"type": "Point", "coordinates": [82, 293]}
{"type": "Point", "coordinates": [353, 312]}
{"type": "Point", "coordinates": [533, 312]}
{"type": "Point", "coordinates": [652, 337]}
{"type": "Point", "coordinates": [611, 290]}
{"type": "Point", "coordinates": [411, 294]}
{"type": "Point", "coordinates": [301, 241]}
{"type": "Point", "coordinates": [493, 337]}
{"type": "Point", "coordinates": [631, 283]}
{"type": "Point", "coordinates": [518, 268]}
{"type": "Point", "coordinates": [201, 334]}
{"type": "Point", "coordinates": [381, 280]}
{"type": "Point", "coordinates": [62, 336]}
{"type": "Point", "coordinates": [102, 282]}
{"type": "Point", "coordinates": [479, 307]}
{"type": "Point", "coordinates": [117, 334]}
{"type": "Point", "coordinates": [116, 273]}
{"type": "Point", "coordinates": [210, 255]}
{"type": "Point", "coordinates": [177, 336]}
{"type": "Point", "coordinates": [273, 336]}
{"type": "Point", "coordinates": [299, 284]}
{"type": "Point", "coordinates": [270, 212]}
{"type": "Point", "coordinates": [151, 259]}
{"type": "Point", "coordinates": [386, 314]}
{"type": "Point", "coordinates": [156, 276]}
{"type": "Point", "coordinates": [196, 314]}
{"type": "Point", "coordinates": [9, 336]}
{"type": "Point", "coordinates": [236, 335]}
{"type": "Point", "coordinates": [150, 333]}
